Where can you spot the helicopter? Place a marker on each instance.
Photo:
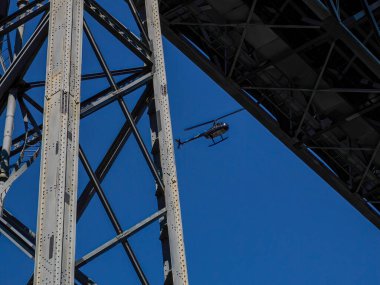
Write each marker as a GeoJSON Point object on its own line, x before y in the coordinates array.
{"type": "Point", "coordinates": [218, 129]}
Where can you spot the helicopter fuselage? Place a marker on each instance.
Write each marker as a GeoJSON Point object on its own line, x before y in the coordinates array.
{"type": "Point", "coordinates": [216, 130]}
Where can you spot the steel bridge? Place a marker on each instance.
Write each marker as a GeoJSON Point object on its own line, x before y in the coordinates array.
{"type": "Point", "coordinates": [308, 70]}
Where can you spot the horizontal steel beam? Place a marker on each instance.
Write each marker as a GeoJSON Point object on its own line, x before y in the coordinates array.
{"type": "Point", "coordinates": [88, 108]}
{"type": "Point", "coordinates": [24, 238]}
{"type": "Point", "coordinates": [341, 121]}
{"type": "Point", "coordinates": [242, 25]}
{"type": "Point", "coordinates": [92, 76]}
{"type": "Point", "coordinates": [111, 215]}
{"type": "Point", "coordinates": [92, 104]}
{"type": "Point", "coordinates": [120, 238]}
{"type": "Point", "coordinates": [113, 151]}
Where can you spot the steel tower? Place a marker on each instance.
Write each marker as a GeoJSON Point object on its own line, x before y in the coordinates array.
{"type": "Point", "coordinates": [64, 24]}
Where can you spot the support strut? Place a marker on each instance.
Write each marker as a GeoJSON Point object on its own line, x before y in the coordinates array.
{"type": "Point", "coordinates": [162, 137]}
{"type": "Point", "coordinates": [55, 248]}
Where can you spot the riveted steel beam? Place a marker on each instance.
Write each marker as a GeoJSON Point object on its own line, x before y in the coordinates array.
{"type": "Point", "coordinates": [56, 225]}
{"type": "Point", "coordinates": [166, 161]}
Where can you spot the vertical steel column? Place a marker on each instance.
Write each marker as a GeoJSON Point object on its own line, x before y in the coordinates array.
{"type": "Point", "coordinates": [55, 243]}
{"type": "Point", "coordinates": [8, 133]}
{"type": "Point", "coordinates": [164, 139]}
{"type": "Point", "coordinates": [10, 115]}
{"type": "Point", "coordinates": [11, 107]}
{"type": "Point", "coordinates": [160, 194]}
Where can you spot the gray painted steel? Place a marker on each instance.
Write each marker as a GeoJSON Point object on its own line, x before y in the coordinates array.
{"type": "Point", "coordinates": [8, 134]}
{"type": "Point", "coordinates": [9, 120]}
{"type": "Point", "coordinates": [119, 238]}
{"type": "Point", "coordinates": [54, 244]}
{"type": "Point", "coordinates": [165, 141]}
{"type": "Point", "coordinates": [272, 69]}
{"type": "Point", "coordinates": [11, 109]}
{"type": "Point", "coordinates": [55, 248]}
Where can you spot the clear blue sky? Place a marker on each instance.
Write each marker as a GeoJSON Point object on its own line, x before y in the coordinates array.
{"type": "Point", "coordinates": [253, 213]}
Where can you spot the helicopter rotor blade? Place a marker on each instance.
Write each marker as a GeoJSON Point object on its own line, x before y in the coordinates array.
{"type": "Point", "coordinates": [217, 119]}
{"type": "Point", "coordinates": [229, 114]}
{"type": "Point", "coordinates": [199, 125]}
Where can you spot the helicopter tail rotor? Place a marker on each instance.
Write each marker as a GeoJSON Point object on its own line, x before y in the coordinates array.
{"type": "Point", "coordinates": [179, 143]}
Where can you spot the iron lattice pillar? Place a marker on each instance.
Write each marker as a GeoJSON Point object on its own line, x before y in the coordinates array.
{"type": "Point", "coordinates": [10, 113]}
{"type": "Point", "coordinates": [55, 248]}
{"type": "Point", "coordinates": [63, 23]}
{"type": "Point", "coordinates": [162, 140]}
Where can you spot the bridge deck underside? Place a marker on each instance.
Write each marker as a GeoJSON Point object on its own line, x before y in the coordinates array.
{"type": "Point", "coordinates": [308, 70]}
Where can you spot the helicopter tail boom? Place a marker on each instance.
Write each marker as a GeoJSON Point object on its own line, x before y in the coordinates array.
{"type": "Point", "coordinates": [180, 143]}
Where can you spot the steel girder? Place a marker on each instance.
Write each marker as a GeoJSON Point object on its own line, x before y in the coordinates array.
{"type": "Point", "coordinates": [161, 132]}
{"type": "Point", "coordinates": [147, 49]}
{"type": "Point", "coordinates": [20, 65]}
{"type": "Point", "coordinates": [25, 239]}
{"type": "Point", "coordinates": [264, 118]}
{"type": "Point", "coordinates": [88, 106]}
{"type": "Point", "coordinates": [23, 15]}
{"type": "Point", "coordinates": [337, 29]}
{"type": "Point", "coordinates": [259, 79]}
{"type": "Point", "coordinates": [118, 30]}
{"type": "Point", "coordinates": [56, 221]}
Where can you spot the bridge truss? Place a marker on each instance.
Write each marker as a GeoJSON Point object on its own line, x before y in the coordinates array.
{"type": "Point", "coordinates": [55, 141]}
{"type": "Point", "coordinates": [308, 70]}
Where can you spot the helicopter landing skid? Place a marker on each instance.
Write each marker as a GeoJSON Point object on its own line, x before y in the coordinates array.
{"type": "Point", "coordinates": [218, 142]}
